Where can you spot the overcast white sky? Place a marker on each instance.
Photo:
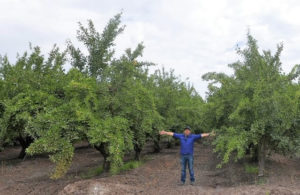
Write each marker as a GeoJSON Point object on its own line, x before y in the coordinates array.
{"type": "Point", "coordinates": [191, 36]}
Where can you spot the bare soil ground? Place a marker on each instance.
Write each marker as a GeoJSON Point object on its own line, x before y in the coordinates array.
{"type": "Point", "coordinates": [160, 174]}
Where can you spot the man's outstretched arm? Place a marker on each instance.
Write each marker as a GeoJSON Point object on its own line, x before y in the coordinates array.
{"type": "Point", "coordinates": [166, 133]}
{"type": "Point", "coordinates": [205, 134]}
{"type": "Point", "coordinates": [208, 134]}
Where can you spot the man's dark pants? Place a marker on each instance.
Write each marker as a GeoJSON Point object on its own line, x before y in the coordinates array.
{"type": "Point", "coordinates": [187, 159]}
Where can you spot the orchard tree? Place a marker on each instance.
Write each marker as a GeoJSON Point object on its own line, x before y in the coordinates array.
{"type": "Point", "coordinates": [96, 65]}
{"type": "Point", "coordinates": [78, 117]}
{"type": "Point", "coordinates": [293, 145]}
{"type": "Point", "coordinates": [177, 103]}
{"type": "Point", "coordinates": [133, 98]}
{"type": "Point", "coordinates": [189, 108]}
{"type": "Point", "coordinates": [139, 108]}
{"type": "Point", "coordinates": [253, 108]}
{"type": "Point", "coordinates": [64, 122]}
{"type": "Point", "coordinates": [116, 81]}
{"type": "Point", "coordinates": [166, 96]}
{"type": "Point", "coordinates": [25, 91]}
{"type": "Point", "coordinates": [166, 87]}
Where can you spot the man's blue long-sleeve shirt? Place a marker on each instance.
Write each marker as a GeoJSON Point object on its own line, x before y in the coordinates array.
{"type": "Point", "coordinates": [186, 142]}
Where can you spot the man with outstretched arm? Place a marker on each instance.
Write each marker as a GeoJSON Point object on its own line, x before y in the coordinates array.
{"type": "Point", "coordinates": [186, 150]}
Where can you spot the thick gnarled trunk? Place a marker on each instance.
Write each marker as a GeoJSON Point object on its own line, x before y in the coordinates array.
{"type": "Point", "coordinates": [25, 143]}
{"type": "Point", "coordinates": [170, 143]}
{"type": "Point", "coordinates": [138, 151]}
{"type": "Point", "coordinates": [156, 144]}
{"type": "Point", "coordinates": [103, 149]}
{"type": "Point", "coordinates": [261, 157]}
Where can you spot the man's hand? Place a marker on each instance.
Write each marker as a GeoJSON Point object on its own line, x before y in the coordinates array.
{"type": "Point", "coordinates": [204, 134]}
{"type": "Point", "coordinates": [212, 133]}
{"type": "Point", "coordinates": [163, 132]}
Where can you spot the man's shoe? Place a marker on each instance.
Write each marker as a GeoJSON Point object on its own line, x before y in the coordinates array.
{"type": "Point", "coordinates": [192, 183]}
{"type": "Point", "coordinates": [181, 183]}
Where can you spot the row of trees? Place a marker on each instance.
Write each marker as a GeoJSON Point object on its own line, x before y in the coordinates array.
{"type": "Point", "coordinates": [117, 105]}
{"type": "Point", "coordinates": [113, 103]}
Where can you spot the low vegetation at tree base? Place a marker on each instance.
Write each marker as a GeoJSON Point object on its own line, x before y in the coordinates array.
{"type": "Point", "coordinates": [116, 105]}
{"type": "Point", "coordinates": [92, 172]}
{"type": "Point", "coordinates": [252, 169]}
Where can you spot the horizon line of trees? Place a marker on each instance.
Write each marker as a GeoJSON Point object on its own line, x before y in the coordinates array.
{"type": "Point", "coordinates": [116, 105]}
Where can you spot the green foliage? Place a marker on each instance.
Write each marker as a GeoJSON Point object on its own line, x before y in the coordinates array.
{"type": "Point", "coordinates": [130, 165]}
{"type": "Point", "coordinates": [114, 132]}
{"type": "Point", "coordinates": [228, 141]}
{"type": "Point", "coordinates": [138, 107]}
{"type": "Point", "coordinates": [60, 151]}
{"type": "Point", "coordinates": [65, 122]}
{"type": "Point", "coordinates": [27, 89]}
{"type": "Point", "coordinates": [254, 107]}
{"type": "Point", "coordinates": [111, 120]}
{"type": "Point", "coordinates": [113, 103]}
{"type": "Point", "coordinates": [177, 103]}
{"type": "Point", "coordinates": [99, 46]}
{"type": "Point", "coordinates": [92, 172]}
{"type": "Point", "coordinates": [117, 105]}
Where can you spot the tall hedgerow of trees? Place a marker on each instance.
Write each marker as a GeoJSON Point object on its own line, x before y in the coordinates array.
{"type": "Point", "coordinates": [257, 108]}
{"type": "Point", "coordinates": [112, 103]}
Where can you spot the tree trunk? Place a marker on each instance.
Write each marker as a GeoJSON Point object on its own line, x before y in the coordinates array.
{"type": "Point", "coordinates": [261, 157]}
{"type": "Point", "coordinates": [138, 151]}
{"type": "Point", "coordinates": [25, 143]}
{"type": "Point", "coordinates": [103, 149]}
{"type": "Point", "coordinates": [170, 143]}
{"type": "Point", "coordinates": [156, 144]}
{"type": "Point", "coordinates": [253, 152]}
{"type": "Point", "coordinates": [106, 165]}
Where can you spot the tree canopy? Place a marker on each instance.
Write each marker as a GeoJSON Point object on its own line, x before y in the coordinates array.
{"type": "Point", "coordinates": [256, 108]}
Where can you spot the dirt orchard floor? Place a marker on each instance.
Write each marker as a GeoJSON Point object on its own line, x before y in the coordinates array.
{"type": "Point", "coordinates": [159, 175]}
{"type": "Point", "coordinates": [31, 175]}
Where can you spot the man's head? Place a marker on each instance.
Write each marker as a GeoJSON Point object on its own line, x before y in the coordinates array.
{"type": "Point", "coordinates": [187, 130]}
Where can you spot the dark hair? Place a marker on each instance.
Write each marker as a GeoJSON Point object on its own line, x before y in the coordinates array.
{"type": "Point", "coordinates": [187, 127]}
